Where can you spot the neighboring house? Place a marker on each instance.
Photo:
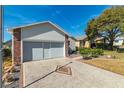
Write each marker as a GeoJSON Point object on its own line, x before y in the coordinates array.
{"type": "Point", "coordinates": [7, 44]}
{"type": "Point", "coordinates": [99, 40]}
{"type": "Point", "coordinates": [72, 44]}
{"type": "Point", "coordinates": [82, 41]}
{"type": "Point", "coordinates": [38, 41]}
{"type": "Point", "coordinates": [119, 41]}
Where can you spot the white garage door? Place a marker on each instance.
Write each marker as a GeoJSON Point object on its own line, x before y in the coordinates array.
{"type": "Point", "coordinates": [42, 50]}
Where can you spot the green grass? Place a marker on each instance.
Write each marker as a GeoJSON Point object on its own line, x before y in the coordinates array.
{"type": "Point", "coordinates": [115, 65]}
{"type": "Point", "coordinates": [114, 53]}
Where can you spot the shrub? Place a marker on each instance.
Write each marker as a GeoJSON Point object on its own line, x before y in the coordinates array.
{"type": "Point", "coordinates": [94, 53]}
{"type": "Point", "coordinates": [88, 52]}
{"type": "Point", "coordinates": [85, 52]}
{"type": "Point", "coordinates": [123, 43]}
{"type": "Point", "coordinates": [100, 51]}
{"type": "Point", "coordinates": [120, 50]}
{"type": "Point", "coordinates": [103, 46]}
{"type": "Point", "coordinates": [6, 52]}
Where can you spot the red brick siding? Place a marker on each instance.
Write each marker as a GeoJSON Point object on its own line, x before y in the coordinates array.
{"type": "Point", "coordinates": [17, 46]}
{"type": "Point", "coordinates": [66, 46]}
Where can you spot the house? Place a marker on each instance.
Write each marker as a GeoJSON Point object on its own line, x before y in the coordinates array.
{"type": "Point", "coordinates": [119, 41]}
{"type": "Point", "coordinates": [72, 44]}
{"type": "Point", "coordinates": [39, 41]}
{"type": "Point", "coordinates": [99, 40]}
{"type": "Point", "coordinates": [82, 42]}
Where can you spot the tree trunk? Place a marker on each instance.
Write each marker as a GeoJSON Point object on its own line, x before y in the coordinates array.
{"type": "Point", "coordinates": [111, 45]}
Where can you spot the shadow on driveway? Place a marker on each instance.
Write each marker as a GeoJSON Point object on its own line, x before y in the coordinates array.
{"type": "Point", "coordinates": [47, 75]}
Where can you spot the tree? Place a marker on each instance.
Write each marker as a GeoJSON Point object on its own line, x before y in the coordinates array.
{"type": "Point", "coordinates": [91, 30]}
{"type": "Point", "coordinates": [110, 23]}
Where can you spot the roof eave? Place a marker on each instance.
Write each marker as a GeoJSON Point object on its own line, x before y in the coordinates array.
{"type": "Point", "coordinates": [58, 27]}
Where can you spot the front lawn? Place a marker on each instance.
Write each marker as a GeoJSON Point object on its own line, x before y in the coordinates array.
{"type": "Point", "coordinates": [115, 64]}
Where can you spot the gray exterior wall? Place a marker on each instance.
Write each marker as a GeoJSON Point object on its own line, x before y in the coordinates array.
{"type": "Point", "coordinates": [37, 34]}
{"type": "Point", "coordinates": [44, 32]}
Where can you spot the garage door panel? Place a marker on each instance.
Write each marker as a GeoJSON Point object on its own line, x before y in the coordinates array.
{"type": "Point", "coordinates": [27, 52]}
{"type": "Point", "coordinates": [37, 53]}
{"type": "Point", "coordinates": [56, 49]}
{"type": "Point", "coordinates": [46, 47]}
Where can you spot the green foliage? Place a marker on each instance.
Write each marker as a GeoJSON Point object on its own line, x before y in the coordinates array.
{"type": "Point", "coordinates": [91, 30]}
{"type": "Point", "coordinates": [111, 18]}
{"type": "Point", "coordinates": [120, 50]}
{"type": "Point", "coordinates": [103, 46]}
{"type": "Point", "coordinates": [110, 25]}
{"type": "Point", "coordinates": [123, 43]}
{"type": "Point", "coordinates": [6, 52]}
{"type": "Point", "coordinates": [88, 52]}
{"type": "Point", "coordinates": [85, 52]}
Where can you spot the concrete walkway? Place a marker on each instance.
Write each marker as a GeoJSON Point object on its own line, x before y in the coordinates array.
{"type": "Point", "coordinates": [40, 74]}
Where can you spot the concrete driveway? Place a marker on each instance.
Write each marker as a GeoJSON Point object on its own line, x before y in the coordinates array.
{"type": "Point", "coordinates": [40, 74]}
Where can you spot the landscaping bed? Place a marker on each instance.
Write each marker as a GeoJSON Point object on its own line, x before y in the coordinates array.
{"type": "Point", "coordinates": [10, 74]}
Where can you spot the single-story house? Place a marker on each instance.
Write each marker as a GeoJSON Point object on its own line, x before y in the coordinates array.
{"type": "Point", "coordinates": [82, 42]}
{"type": "Point", "coordinates": [39, 41]}
{"type": "Point", "coordinates": [119, 41]}
{"type": "Point", "coordinates": [99, 40]}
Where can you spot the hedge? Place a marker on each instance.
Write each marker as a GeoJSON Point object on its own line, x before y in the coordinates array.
{"type": "Point", "coordinates": [88, 52]}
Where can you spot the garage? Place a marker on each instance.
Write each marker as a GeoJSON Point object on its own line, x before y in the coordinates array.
{"type": "Point", "coordinates": [42, 50]}
{"type": "Point", "coordinates": [38, 41]}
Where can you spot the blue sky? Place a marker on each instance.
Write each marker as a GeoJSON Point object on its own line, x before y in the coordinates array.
{"type": "Point", "coordinates": [73, 19]}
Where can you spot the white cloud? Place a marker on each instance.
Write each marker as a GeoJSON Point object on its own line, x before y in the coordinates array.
{"type": "Point", "coordinates": [22, 18]}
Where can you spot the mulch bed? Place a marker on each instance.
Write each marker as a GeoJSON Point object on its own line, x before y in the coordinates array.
{"type": "Point", "coordinates": [63, 70]}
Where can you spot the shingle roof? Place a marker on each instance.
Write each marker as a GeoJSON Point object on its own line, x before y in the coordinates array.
{"type": "Point", "coordinates": [81, 37]}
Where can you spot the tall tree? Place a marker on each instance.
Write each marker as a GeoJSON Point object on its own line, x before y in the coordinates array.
{"type": "Point", "coordinates": [91, 30]}
{"type": "Point", "coordinates": [110, 23]}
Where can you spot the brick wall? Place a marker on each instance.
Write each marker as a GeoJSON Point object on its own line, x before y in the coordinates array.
{"type": "Point", "coordinates": [17, 46]}
{"type": "Point", "coordinates": [66, 46]}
